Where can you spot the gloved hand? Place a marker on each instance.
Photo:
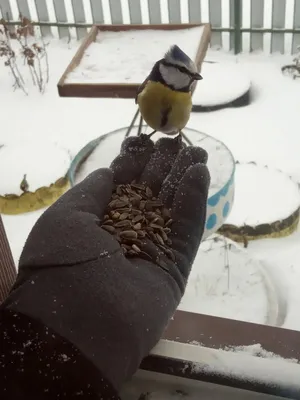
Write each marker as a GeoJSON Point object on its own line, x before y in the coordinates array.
{"type": "Point", "coordinates": [74, 278]}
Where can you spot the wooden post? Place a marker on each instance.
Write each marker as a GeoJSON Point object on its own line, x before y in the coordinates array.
{"type": "Point", "coordinates": [8, 270]}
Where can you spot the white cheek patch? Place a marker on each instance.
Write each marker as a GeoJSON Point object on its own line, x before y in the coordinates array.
{"type": "Point", "coordinates": [173, 77]}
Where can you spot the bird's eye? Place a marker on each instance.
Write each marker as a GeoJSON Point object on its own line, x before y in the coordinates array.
{"type": "Point", "coordinates": [183, 70]}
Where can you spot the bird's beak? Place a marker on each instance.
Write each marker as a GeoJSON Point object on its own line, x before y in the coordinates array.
{"type": "Point", "coordinates": [197, 77]}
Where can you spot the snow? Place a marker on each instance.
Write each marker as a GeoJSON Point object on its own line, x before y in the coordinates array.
{"type": "Point", "coordinates": [219, 156]}
{"type": "Point", "coordinates": [235, 275]}
{"type": "Point", "coordinates": [128, 57]}
{"type": "Point", "coordinates": [266, 368]}
{"type": "Point", "coordinates": [162, 387]}
{"type": "Point", "coordinates": [264, 132]}
{"type": "Point", "coordinates": [43, 163]}
{"type": "Point", "coordinates": [222, 83]}
{"type": "Point", "coordinates": [262, 195]}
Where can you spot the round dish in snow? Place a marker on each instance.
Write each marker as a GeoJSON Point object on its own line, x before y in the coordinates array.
{"type": "Point", "coordinates": [227, 282]}
{"type": "Point", "coordinates": [101, 151]}
{"type": "Point", "coordinates": [223, 85]}
{"type": "Point", "coordinates": [33, 176]}
{"type": "Point", "coordinates": [266, 204]}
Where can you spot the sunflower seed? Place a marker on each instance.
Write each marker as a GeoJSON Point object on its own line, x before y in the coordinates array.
{"type": "Point", "coordinates": [159, 239]}
{"type": "Point", "coordinates": [136, 248]}
{"type": "Point", "coordinates": [137, 218]}
{"type": "Point", "coordinates": [121, 203]}
{"type": "Point", "coordinates": [108, 222]}
{"type": "Point", "coordinates": [141, 234]}
{"type": "Point", "coordinates": [155, 226]}
{"type": "Point", "coordinates": [130, 234]}
{"type": "Point", "coordinates": [108, 228]}
{"type": "Point", "coordinates": [135, 212]}
{"type": "Point", "coordinates": [152, 236]}
{"type": "Point", "coordinates": [137, 226]}
{"type": "Point", "coordinates": [123, 216]}
{"type": "Point", "coordinates": [138, 186]}
{"type": "Point", "coordinates": [142, 205]}
{"type": "Point", "coordinates": [168, 223]}
{"type": "Point", "coordinates": [116, 215]}
{"type": "Point", "coordinates": [123, 224]}
{"type": "Point", "coordinates": [164, 235]}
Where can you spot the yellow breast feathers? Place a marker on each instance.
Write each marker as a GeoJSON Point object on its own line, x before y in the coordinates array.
{"type": "Point", "coordinates": [164, 109]}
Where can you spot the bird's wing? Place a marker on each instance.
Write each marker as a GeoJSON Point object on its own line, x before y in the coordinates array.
{"type": "Point", "coordinates": [141, 88]}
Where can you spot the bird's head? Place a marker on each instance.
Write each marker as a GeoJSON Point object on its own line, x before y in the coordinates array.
{"type": "Point", "coordinates": [178, 70]}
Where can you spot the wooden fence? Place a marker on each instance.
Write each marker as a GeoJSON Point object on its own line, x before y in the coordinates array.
{"type": "Point", "coordinates": [239, 25]}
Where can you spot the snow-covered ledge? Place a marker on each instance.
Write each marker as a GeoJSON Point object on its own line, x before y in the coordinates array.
{"type": "Point", "coordinates": [231, 353]}
{"type": "Point", "coordinates": [238, 368]}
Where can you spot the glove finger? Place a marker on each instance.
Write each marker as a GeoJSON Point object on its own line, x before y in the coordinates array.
{"type": "Point", "coordinates": [166, 151]}
{"type": "Point", "coordinates": [134, 155]}
{"type": "Point", "coordinates": [188, 157]}
{"type": "Point", "coordinates": [189, 215]}
{"type": "Point", "coordinates": [91, 195]}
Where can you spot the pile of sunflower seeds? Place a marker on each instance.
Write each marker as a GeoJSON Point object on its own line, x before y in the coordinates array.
{"type": "Point", "coordinates": [134, 214]}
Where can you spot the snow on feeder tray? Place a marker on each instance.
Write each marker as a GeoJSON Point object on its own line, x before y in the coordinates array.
{"type": "Point", "coordinates": [113, 60]}
{"type": "Point", "coordinates": [266, 204]}
{"type": "Point", "coordinates": [101, 151]}
{"type": "Point", "coordinates": [30, 179]}
{"type": "Point", "coordinates": [224, 85]}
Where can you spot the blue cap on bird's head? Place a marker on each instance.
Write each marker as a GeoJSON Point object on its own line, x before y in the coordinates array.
{"type": "Point", "coordinates": [176, 54]}
{"type": "Point", "coordinates": [177, 57]}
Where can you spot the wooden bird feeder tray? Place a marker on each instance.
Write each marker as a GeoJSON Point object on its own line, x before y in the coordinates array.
{"type": "Point", "coordinates": [121, 90]}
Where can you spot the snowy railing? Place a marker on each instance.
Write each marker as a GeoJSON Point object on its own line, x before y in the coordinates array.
{"type": "Point", "coordinates": [239, 25]}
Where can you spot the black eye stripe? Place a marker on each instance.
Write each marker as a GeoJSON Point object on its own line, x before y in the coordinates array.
{"type": "Point", "coordinates": [180, 68]}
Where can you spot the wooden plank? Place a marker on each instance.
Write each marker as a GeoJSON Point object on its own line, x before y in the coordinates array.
{"type": "Point", "coordinates": [120, 90]}
{"type": "Point", "coordinates": [296, 38]}
{"type": "Point", "coordinates": [6, 10]}
{"type": "Point", "coordinates": [8, 270]}
{"type": "Point", "coordinates": [135, 11]}
{"type": "Point", "coordinates": [231, 24]}
{"type": "Point", "coordinates": [23, 8]}
{"type": "Point", "coordinates": [61, 16]}
{"type": "Point", "coordinates": [257, 21]}
{"type": "Point", "coordinates": [154, 11]}
{"type": "Point", "coordinates": [91, 37]}
{"type": "Point", "coordinates": [97, 11]}
{"type": "Point", "coordinates": [116, 11]}
{"type": "Point", "coordinates": [174, 11]}
{"type": "Point", "coordinates": [79, 17]}
{"type": "Point", "coordinates": [217, 332]}
{"type": "Point", "coordinates": [43, 16]}
{"type": "Point", "coordinates": [215, 18]}
{"type": "Point", "coordinates": [278, 21]}
{"type": "Point", "coordinates": [194, 11]}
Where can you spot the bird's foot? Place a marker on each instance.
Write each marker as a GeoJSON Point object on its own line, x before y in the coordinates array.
{"type": "Point", "coordinates": [185, 138]}
{"type": "Point", "coordinates": [150, 134]}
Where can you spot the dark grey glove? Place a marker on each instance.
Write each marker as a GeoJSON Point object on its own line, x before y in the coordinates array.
{"type": "Point", "coordinates": [74, 278]}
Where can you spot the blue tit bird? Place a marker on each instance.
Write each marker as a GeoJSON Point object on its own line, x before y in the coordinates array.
{"type": "Point", "coordinates": [165, 97]}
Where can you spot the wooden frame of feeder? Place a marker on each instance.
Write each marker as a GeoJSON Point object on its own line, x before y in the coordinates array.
{"type": "Point", "coordinates": [121, 90]}
{"type": "Point", "coordinates": [195, 339]}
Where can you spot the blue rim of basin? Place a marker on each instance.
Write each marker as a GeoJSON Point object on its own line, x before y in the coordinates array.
{"type": "Point", "coordinates": [86, 151]}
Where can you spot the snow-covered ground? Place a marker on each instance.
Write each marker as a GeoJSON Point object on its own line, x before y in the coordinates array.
{"type": "Point", "coordinates": [264, 132]}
